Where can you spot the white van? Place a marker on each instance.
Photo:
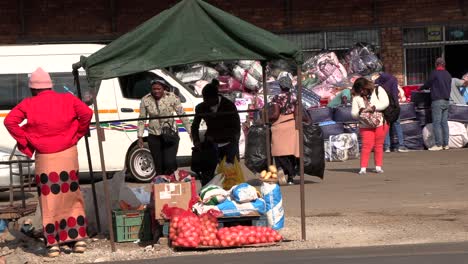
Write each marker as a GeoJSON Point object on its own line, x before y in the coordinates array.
{"type": "Point", "coordinates": [117, 98]}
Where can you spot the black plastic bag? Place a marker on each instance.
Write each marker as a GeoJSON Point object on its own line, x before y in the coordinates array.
{"type": "Point", "coordinates": [314, 151]}
{"type": "Point", "coordinates": [204, 162]}
{"type": "Point", "coordinates": [256, 148]}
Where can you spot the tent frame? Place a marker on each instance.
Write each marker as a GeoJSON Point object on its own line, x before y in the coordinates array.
{"type": "Point", "coordinates": [253, 56]}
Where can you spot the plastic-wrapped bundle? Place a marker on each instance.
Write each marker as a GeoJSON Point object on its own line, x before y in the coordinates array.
{"type": "Point", "coordinates": [253, 67]}
{"type": "Point", "coordinates": [277, 66]}
{"type": "Point", "coordinates": [309, 98]}
{"type": "Point", "coordinates": [228, 84]}
{"type": "Point", "coordinates": [362, 60]}
{"type": "Point", "coordinates": [327, 67]}
{"type": "Point", "coordinates": [458, 136]}
{"type": "Point", "coordinates": [246, 79]}
{"type": "Point", "coordinates": [342, 147]}
{"type": "Point", "coordinates": [324, 90]}
{"type": "Point", "coordinates": [197, 72]}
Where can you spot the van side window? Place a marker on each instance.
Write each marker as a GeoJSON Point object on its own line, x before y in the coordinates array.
{"type": "Point", "coordinates": [135, 86]}
{"type": "Point", "coordinates": [13, 88]}
{"type": "Point", "coordinates": [65, 83]}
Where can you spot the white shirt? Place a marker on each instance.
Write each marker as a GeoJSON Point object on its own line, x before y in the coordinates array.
{"type": "Point", "coordinates": [381, 102]}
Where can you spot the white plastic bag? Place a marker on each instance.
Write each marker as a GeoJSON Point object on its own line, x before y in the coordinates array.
{"type": "Point", "coordinates": [243, 193]}
{"type": "Point", "coordinates": [458, 136]}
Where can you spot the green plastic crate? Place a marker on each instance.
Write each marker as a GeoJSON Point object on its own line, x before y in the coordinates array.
{"type": "Point", "coordinates": [131, 225]}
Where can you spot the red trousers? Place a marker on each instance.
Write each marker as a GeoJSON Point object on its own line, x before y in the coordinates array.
{"type": "Point", "coordinates": [373, 138]}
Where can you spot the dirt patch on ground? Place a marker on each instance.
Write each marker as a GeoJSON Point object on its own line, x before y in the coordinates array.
{"type": "Point", "coordinates": [324, 230]}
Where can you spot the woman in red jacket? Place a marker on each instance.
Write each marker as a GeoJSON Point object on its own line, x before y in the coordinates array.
{"type": "Point", "coordinates": [55, 123]}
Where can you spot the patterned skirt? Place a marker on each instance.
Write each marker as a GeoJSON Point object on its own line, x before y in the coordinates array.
{"type": "Point", "coordinates": [60, 198]}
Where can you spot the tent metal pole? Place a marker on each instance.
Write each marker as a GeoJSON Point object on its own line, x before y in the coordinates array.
{"type": "Point", "coordinates": [301, 150]}
{"type": "Point", "coordinates": [100, 136]}
{"type": "Point", "coordinates": [88, 154]}
{"type": "Point", "coordinates": [265, 112]}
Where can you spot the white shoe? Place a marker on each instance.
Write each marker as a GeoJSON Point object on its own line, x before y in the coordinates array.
{"type": "Point", "coordinates": [445, 147]}
{"type": "Point", "coordinates": [378, 171]}
{"type": "Point", "coordinates": [435, 148]}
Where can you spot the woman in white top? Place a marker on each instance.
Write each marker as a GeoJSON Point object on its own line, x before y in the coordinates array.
{"type": "Point", "coordinates": [369, 98]}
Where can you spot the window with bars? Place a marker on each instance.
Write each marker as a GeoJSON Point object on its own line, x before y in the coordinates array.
{"type": "Point", "coordinates": [337, 41]}
{"type": "Point", "coordinates": [420, 63]}
{"type": "Point", "coordinates": [456, 33]}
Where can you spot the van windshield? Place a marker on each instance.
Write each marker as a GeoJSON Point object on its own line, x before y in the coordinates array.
{"type": "Point", "coordinates": [14, 87]}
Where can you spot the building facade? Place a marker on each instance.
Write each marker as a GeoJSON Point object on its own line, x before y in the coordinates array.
{"type": "Point", "coordinates": [407, 35]}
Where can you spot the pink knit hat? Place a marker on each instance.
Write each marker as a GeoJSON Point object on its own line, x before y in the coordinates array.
{"type": "Point", "coordinates": [40, 79]}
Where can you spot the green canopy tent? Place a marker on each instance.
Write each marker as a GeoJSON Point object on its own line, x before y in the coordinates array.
{"type": "Point", "coordinates": [189, 32]}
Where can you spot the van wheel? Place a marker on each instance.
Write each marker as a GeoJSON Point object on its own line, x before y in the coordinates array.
{"type": "Point", "coordinates": [140, 163]}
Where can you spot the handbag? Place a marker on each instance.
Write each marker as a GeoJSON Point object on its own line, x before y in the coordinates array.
{"type": "Point", "coordinates": [169, 135]}
{"type": "Point", "coordinates": [370, 119]}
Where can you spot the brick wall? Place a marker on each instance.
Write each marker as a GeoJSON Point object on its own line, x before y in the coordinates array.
{"type": "Point", "coordinates": [71, 20]}
{"type": "Point", "coordinates": [392, 51]}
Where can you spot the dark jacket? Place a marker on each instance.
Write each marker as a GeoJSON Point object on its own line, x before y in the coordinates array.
{"type": "Point", "coordinates": [439, 82]}
{"type": "Point", "coordinates": [222, 128]}
{"type": "Point", "coordinates": [389, 83]}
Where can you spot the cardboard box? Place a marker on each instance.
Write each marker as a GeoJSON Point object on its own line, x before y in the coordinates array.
{"type": "Point", "coordinates": [176, 194]}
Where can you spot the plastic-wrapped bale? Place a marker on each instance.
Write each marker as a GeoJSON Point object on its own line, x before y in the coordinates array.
{"type": "Point", "coordinates": [271, 192]}
{"type": "Point", "coordinates": [412, 133]}
{"type": "Point", "coordinates": [362, 60]}
{"type": "Point", "coordinates": [324, 90]}
{"type": "Point", "coordinates": [331, 128]}
{"type": "Point", "coordinates": [354, 129]}
{"type": "Point", "coordinates": [231, 208]}
{"type": "Point", "coordinates": [407, 111]}
{"type": "Point", "coordinates": [342, 147]}
{"type": "Point", "coordinates": [246, 79]}
{"type": "Point", "coordinates": [342, 114]}
{"type": "Point", "coordinates": [314, 154]}
{"type": "Point", "coordinates": [421, 99]}
{"type": "Point", "coordinates": [320, 114]}
{"type": "Point", "coordinates": [458, 113]}
{"type": "Point", "coordinates": [228, 84]}
{"type": "Point", "coordinates": [254, 68]}
{"type": "Point", "coordinates": [309, 98]}
{"type": "Point", "coordinates": [197, 72]}
{"type": "Point", "coordinates": [277, 66]}
{"type": "Point", "coordinates": [327, 68]}
{"type": "Point", "coordinates": [424, 116]}
{"type": "Point", "coordinates": [458, 136]}
{"type": "Point", "coordinates": [255, 149]}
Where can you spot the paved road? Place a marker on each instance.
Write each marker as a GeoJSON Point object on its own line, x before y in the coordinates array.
{"type": "Point", "coordinates": [456, 253]}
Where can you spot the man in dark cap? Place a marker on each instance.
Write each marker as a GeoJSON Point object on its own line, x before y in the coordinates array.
{"type": "Point", "coordinates": [439, 83]}
{"type": "Point", "coordinates": [223, 127]}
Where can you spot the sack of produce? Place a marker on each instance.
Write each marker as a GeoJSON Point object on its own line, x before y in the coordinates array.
{"type": "Point", "coordinates": [213, 195]}
{"type": "Point", "coordinates": [184, 230]}
{"type": "Point", "coordinates": [232, 208]}
{"type": "Point", "coordinates": [271, 192]}
{"type": "Point", "coordinates": [244, 193]}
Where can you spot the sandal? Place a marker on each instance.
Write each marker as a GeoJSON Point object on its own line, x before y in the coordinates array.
{"type": "Point", "coordinates": [66, 249]}
{"type": "Point", "coordinates": [80, 247]}
{"type": "Point", "coordinates": [53, 252]}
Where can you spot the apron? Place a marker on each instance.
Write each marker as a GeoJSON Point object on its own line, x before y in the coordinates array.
{"type": "Point", "coordinates": [59, 193]}
{"type": "Point", "coordinates": [284, 136]}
